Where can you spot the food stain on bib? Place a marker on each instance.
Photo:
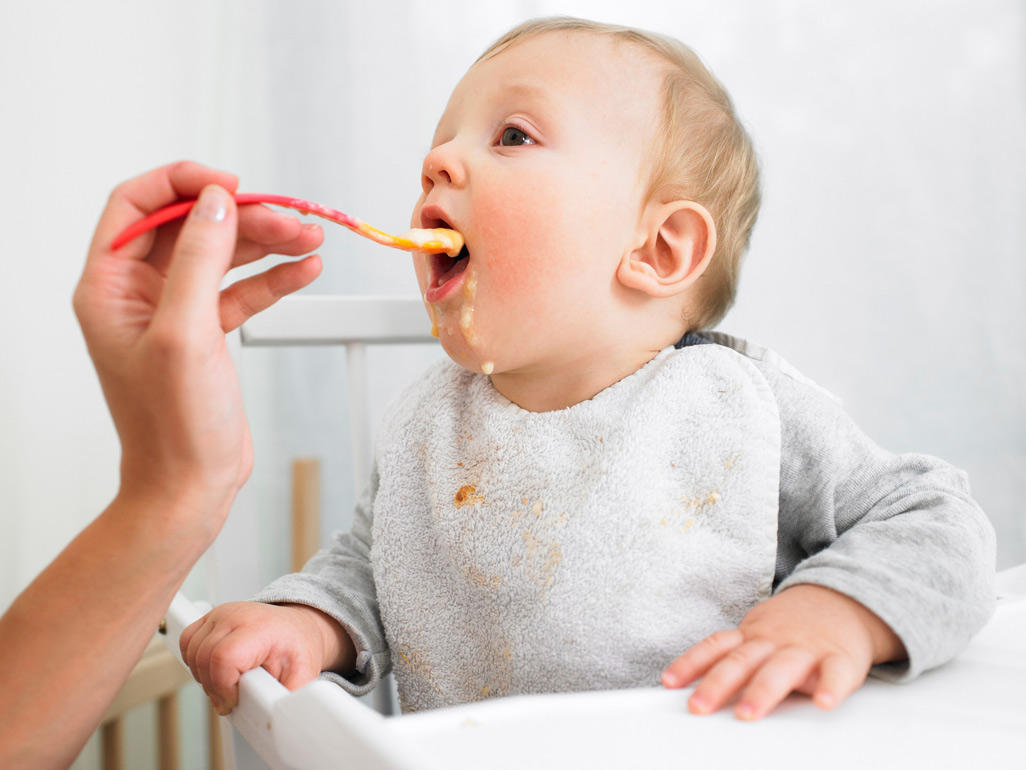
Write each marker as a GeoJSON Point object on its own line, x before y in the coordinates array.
{"type": "Point", "coordinates": [467, 495]}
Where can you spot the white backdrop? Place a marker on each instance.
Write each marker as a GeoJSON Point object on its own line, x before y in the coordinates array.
{"type": "Point", "coordinates": [887, 263]}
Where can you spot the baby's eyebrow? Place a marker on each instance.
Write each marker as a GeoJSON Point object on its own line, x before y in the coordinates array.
{"type": "Point", "coordinates": [527, 89]}
{"type": "Point", "coordinates": [524, 89]}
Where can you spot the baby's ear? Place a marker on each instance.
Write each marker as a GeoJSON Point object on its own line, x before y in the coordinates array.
{"type": "Point", "coordinates": [680, 239]}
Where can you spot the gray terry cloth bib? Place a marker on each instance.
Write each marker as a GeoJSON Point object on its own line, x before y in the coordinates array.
{"type": "Point", "coordinates": [586, 548]}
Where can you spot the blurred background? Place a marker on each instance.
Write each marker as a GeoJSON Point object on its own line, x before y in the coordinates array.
{"type": "Point", "coordinates": [889, 262]}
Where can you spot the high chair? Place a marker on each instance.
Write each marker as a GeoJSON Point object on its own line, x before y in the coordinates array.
{"type": "Point", "coordinates": [968, 713]}
{"type": "Point", "coordinates": [353, 323]}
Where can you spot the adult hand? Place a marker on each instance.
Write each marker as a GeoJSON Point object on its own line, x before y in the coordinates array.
{"type": "Point", "coordinates": [807, 638]}
{"type": "Point", "coordinates": [154, 319]}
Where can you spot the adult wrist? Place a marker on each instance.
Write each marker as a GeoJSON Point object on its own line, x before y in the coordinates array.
{"type": "Point", "coordinates": [188, 515]}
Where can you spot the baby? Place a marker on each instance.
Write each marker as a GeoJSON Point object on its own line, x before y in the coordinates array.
{"type": "Point", "coordinates": [600, 493]}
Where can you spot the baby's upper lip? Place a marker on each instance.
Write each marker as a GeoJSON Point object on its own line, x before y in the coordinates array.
{"type": "Point", "coordinates": [433, 215]}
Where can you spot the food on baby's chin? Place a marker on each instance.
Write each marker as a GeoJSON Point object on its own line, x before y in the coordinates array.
{"type": "Point", "coordinates": [466, 323]}
{"type": "Point", "coordinates": [467, 310]}
{"type": "Point", "coordinates": [450, 240]}
{"type": "Point", "coordinates": [433, 312]}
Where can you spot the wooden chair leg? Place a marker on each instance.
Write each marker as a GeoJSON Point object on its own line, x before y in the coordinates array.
{"type": "Point", "coordinates": [167, 732]}
{"type": "Point", "coordinates": [112, 739]}
{"type": "Point", "coordinates": [306, 510]}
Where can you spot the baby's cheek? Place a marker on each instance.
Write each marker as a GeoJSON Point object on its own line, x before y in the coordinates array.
{"type": "Point", "coordinates": [521, 290]}
{"type": "Point", "coordinates": [533, 259]}
{"type": "Point", "coordinates": [522, 306]}
{"type": "Point", "coordinates": [514, 273]}
{"type": "Point", "coordinates": [525, 242]}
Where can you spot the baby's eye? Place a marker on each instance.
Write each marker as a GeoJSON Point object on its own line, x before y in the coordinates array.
{"type": "Point", "coordinates": [513, 137]}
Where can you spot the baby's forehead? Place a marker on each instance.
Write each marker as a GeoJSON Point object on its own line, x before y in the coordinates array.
{"type": "Point", "coordinates": [572, 70]}
{"type": "Point", "coordinates": [570, 57]}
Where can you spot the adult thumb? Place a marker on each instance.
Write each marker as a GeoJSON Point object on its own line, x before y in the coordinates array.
{"type": "Point", "coordinates": [200, 258]}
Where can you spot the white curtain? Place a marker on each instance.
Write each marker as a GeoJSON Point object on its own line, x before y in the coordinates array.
{"type": "Point", "coordinates": [887, 263]}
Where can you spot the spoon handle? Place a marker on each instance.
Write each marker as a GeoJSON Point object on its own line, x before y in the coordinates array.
{"type": "Point", "coordinates": [443, 242]}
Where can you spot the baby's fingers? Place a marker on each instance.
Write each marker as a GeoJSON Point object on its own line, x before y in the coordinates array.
{"type": "Point", "coordinates": [201, 652]}
{"type": "Point", "coordinates": [782, 673]}
{"type": "Point", "coordinates": [728, 676]}
{"type": "Point", "coordinates": [230, 658]}
{"type": "Point", "coordinates": [186, 636]}
{"type": "Point", "coordinates": [839, 677]}
{"type": "Point", "coordinates": [701, 657]}
{"type": "Point", "coordinates": [192, 639]}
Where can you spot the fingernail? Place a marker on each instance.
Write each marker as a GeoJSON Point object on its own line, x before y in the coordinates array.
{"type": "Point", "coordinates": [212, 205]}
{"type": "Point", "coordinates": [745, 711]}
{"type": "Point", "coordinates": [671, 680]}
{"type": "Point", "coordinates": [698, 705]}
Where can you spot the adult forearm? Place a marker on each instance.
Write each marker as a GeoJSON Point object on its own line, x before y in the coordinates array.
{"type": "Point", "coordinates": [70, 640]}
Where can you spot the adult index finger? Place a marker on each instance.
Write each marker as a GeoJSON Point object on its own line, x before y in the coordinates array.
{"type": "Point", "coordinates": [135, 198]}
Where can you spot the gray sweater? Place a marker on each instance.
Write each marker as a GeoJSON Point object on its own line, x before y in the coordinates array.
{"type": "Point", "coordinates": [498, 551]}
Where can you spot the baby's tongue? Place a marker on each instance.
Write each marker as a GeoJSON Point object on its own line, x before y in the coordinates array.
{"type": "Point", "coordinates": [455, 267]}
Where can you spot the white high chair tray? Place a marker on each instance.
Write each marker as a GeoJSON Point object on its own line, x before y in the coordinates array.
{"type": "Point", "coordinates": [969, 713]}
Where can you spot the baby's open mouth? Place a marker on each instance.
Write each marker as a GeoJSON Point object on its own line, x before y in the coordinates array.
{"type": "Point", "coordinates": [444, 268]}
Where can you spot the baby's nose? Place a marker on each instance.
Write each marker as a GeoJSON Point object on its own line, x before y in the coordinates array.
{"type": "Point", "coordinates": [442, 165]}
{"type": "Point", "coordinates": [433, 171]}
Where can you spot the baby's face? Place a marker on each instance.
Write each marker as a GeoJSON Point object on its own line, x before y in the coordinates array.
{"type": "Point", "coordinates": [538, 161]}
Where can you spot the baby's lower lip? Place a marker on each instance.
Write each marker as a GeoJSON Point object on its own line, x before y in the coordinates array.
{"type": "Point", "coordinates": [446, 278]}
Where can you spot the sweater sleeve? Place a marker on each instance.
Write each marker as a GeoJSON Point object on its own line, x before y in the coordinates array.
{"type": "Point", "coordinates": [339, 582]}
{"type": "Point", "coordinates": [898, 533]}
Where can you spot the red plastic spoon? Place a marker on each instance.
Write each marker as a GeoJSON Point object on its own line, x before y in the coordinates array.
{"type": "Point", "coordinates": [436, 240]}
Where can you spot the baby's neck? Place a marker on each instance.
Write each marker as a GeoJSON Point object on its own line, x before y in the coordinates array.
{"type": "Point", "coordinates": [546, 388]}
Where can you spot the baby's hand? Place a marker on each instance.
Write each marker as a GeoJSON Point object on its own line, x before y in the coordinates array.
{"type": "Point", "coordinates": [293, 642]}
{"type": "Point", "coordinates": [806, 638]}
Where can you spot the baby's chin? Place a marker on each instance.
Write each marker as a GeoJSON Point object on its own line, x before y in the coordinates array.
{"type": "Point", "coordinates": [463, 354]}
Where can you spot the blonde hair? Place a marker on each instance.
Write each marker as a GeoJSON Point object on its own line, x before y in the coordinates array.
{"type": "Point", "coordinates": [704, 153]}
